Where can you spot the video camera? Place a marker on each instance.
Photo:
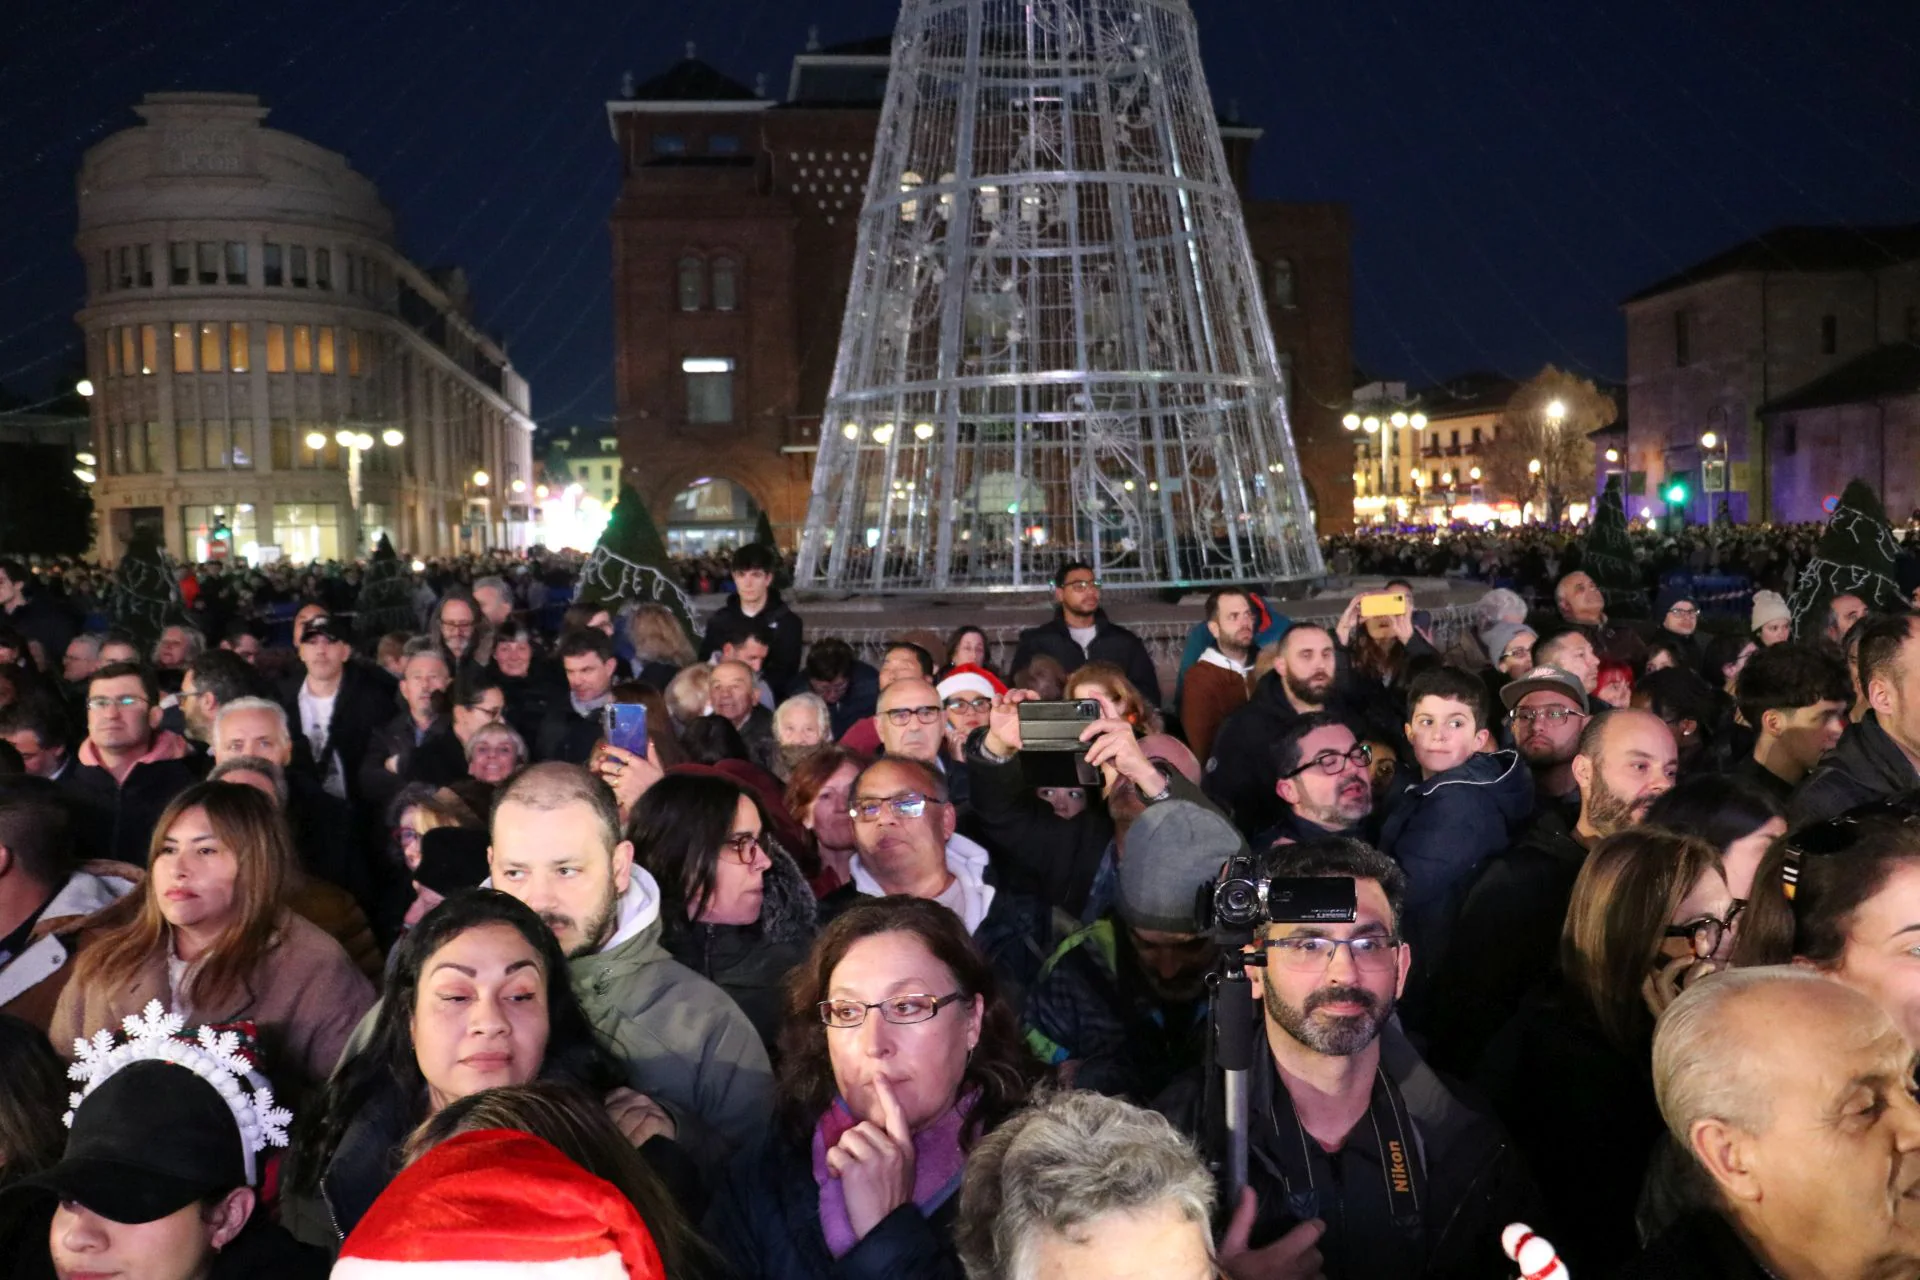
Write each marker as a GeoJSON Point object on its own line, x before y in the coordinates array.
{"type": "Point", "coordinates": [1241, 901]}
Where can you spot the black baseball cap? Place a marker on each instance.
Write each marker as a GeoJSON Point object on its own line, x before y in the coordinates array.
{"type": "Point", "coordinates": [151, 1140]}
{"type": "Point", "coordinates": [322, 627]}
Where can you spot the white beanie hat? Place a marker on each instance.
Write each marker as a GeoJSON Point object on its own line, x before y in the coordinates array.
{"type": "Point", "coordinates": [1768, 606]}
{"type": "Point", "coordinates": [499, 1204]}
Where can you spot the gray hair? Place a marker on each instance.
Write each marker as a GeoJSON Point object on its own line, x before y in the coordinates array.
{"type": "Point", "coordinates": [1498, 605]}
{"type": "Point", "coordinates": [196, 643]}
{"type": "Point", "coordinates": [1067, 1160]}
{"type": "Point", "coordinates": [253, 704]}
{"type": "Point", "coordinates": [91, 639]}
{"type": "Point", "coordinates": [810, 702]}
{"type": "Point", "coordinates": [1702, 1073]}
{"type": "Point", "coordinates": [422, 644]}
{"type": "Point", "coordinates": [254, 764]}
{"type": "Point", "coordinates": [493, 582]}
{"type": "Point", "coordinates": [499, 730]}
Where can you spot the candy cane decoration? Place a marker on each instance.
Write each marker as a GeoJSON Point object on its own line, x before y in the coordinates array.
{"type": "Point", "coordinates": [1533, 1254]}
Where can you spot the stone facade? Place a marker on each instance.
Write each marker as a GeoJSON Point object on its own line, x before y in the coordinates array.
{"type": "Point", "coordinates": [733, 243]}
{"type": "Point", "coordinates": [1709, 347]}
{"type": "Point", "coordinates": [246, 305]}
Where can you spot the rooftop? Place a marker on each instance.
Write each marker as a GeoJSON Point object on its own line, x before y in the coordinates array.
{"type": "Point", "coordinates": [1480, 391]}
{"type": "Point", "coordinates": [1801, 249]}
{"type": "Point", "coordinates": [691, 80]}
{"type": "Point", "coordinates": [1880, 374]}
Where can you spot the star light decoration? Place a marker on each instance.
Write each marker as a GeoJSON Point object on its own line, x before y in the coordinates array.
{"type": "Point", "coordinates": [218, 1057]}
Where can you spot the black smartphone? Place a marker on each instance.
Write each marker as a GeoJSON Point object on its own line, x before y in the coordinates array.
{"type": "Point", "coordinates": [1056, 726]}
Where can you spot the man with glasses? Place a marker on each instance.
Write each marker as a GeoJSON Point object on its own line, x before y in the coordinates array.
{"type": "Point", "coordinates": [912, 720]}
{"type": "Point", "coordinates": [1324, 781]}
{"type": "Point", "coordinates": [1080, 632]}
{"type": "Point", "coordinates": [1548, 709]}
{"type": "Point", "coordinates": [1679, 615]}
{"type": "Point", "coordinates": [212, 680]}
{"type": "Point", "coordinates": [129, 769]}
{"type": "Point", "coordinates": [1358, 1150]}
{"type": "Point", "coordinates": [903, 822]}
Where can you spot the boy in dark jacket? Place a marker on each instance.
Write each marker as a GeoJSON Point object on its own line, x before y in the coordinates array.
{"type": "Point", "coordinates": [756, 598]}
{"type": "Point", "coordinates": [1467, 806]}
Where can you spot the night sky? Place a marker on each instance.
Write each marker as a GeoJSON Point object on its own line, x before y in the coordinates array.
{"type": "Point", "coordinates": [1514, 167]}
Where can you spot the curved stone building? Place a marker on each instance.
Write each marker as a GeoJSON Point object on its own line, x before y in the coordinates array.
{"type": "Point", "coordinates": [271, 375]}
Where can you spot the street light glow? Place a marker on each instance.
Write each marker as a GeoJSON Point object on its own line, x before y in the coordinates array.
{"type": "Point", "coordinates": [480, 479]}
{"type": "Point", "coordinates": [1613, 455]}
{"type": "Point", "coordinates": [394, 437]}
{"type": "Point", "coordinates": [1371, 423]}
{"type": "Point", "coordinates": [316, 441]}
{"type": "Point", "coordinates": [1709, 440]}
{"type": "Point", "coordinates": [1419, 421]}
{"type": "Point", "coordinates": [1556, 410]}
{"type": "Point", "coordinates": [84, 387]}
{"type": "Point", "coordinates": [1351, 422]}
{"type": "Point", "coordinates": [1399, 418]}
{"type": "Point", "coordinates": [344, 438]}
{"type": "Point", "coordinates": [1474, 474]}
{"type": "Point", "coordinates": [1533, 467]}
{"type": "Point", "coordinates": [923, 431]}
{"type": "Point", "coordinates": [519, 486]}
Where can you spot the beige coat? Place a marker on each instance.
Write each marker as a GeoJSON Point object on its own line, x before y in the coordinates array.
{"type": "Point", "coordinates": [303, 999]}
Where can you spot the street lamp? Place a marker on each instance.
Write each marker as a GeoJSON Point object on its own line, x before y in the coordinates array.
{"type": "Point", "coordinates": [1556, 410]}
{"type": "Point", "coordinates": [1709, 440]}
{"type": "Point", "coordinates": [1533, 467]}
{"type": "Point", "coordinates": [1473, 473]}
{"type": "Point", "coordinates": [1613, 455]}
{"type": "Point", "coordinates": [393, 437]}
{"type": "Point", "coordinates": [1351, 422]}
{"type": "Point", "coordinates": [481, 479]}
{"type": "Point", "coordinates": [85, 388]}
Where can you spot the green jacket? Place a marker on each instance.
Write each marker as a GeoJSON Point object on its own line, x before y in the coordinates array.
{"type": "Point", "coordinates": [686, 1044]}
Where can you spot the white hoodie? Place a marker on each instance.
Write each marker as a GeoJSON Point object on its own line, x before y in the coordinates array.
{"type": "Point", "coordinates": [969, 896]}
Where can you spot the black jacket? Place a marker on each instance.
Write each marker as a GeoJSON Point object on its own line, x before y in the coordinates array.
{"type": "Point", "coordinates": [767, 1223]}
{"type": "Point", "coordinates": [1866, 766]}
{"type": "Point", "coordinates": [529, 697]}
{"type": "Point", "coordinates": [751, 962]}
{"type": "Point", "coordinates": [565, 734]}
{"type": "Point", "coordinates": [436, 759]}
{"type": "Point", "coordinates": [1240, 775]}
{"type": "Point", "coordinates": [116, 820]}
{"type": "Point", "coordinates": [1700, 1246]}
{"type": "Point", "coordinates": [262, 1251]}
{"type": "Point", "coordinates": [783, 659]}
{"type": "Point", "coordinates": [365, 701]}
{"type": "Point", "coordinates": [1111, 643]}
{"type": "Point", "coordinates": [1506, 940]}
{"type": "Point", "coordinates": [1475, 1182]}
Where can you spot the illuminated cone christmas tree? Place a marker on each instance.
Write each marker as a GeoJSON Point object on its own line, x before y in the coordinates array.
{"type": "Point", "coordinates": [145, 597]}
{"type": "Point", "coordinates": [1055, 345]}
{"type": "Point", "coordinates": [631, 564]}
{"type": "Point", "coordinates": [1855, 557]}
{"type": "Point", "coordinates": [386, 595]}
{"type": "Point", "coordinates": [1607, 555]}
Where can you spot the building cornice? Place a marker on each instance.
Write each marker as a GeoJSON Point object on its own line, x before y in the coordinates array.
{"type": "Point", "coordinates": [620, 107]}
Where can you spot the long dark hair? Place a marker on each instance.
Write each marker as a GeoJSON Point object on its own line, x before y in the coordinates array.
{"type": "Point", "coordinates": [1715, 808]}
{"type": "Point", "coordinates": [709, 739]}
{"type": "Point", "coordinates": [574, 1123]}
{"type": "Point", "coordinates": [388, 1069]}
{"type": "Point", "coordinates": [1831, 888]}
{"type": "Point", "coordinates": [677, 828]}
{"type": "Point", "coordinates": [1001, 1068]}
{"type": "Point", "coordinates": [31, 1135]}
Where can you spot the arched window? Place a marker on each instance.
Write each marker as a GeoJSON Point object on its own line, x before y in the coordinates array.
{"type": "Point", "coordinates": [726, 284]}
{"type": "Point", "coordinates": [1281, 277]}
{"type": "Point", "coordinates": [693, 283]}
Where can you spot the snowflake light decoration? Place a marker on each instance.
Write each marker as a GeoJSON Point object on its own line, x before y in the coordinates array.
{"type": "Point", "coordinates": [219, 1058]}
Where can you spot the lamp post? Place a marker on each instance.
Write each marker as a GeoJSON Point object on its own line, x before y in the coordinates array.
{"type": "Point", "coordinates": [1709, 443]}
{"type": "Point", "coordinates": [480, 480]}
{"type": "Point", "coordinates": [1533, 483]}
{"type": "Point", "coordinates": [356, 443]}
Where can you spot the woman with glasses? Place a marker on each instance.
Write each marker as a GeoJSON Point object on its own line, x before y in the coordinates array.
{"type": "Point", "coordinates": [207, 934]}
{"type": "Point", "coordinates": [1573, 1072]}
{"type": "Point", "coordinates": [1844, 896]}
{"type": "Point", "coordinates": [733, 906]}
{"type": "Point", "coordinates": [898, 1055]}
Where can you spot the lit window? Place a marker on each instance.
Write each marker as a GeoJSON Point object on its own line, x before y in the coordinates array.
{"type": "Point", "coordinates": [217, 456]}
{"type": "Point", "coordinates": [210, 361]}
{"type": "Point", "coordinates": [726, 286]}
{"type": "Point", "coordinates": [242, 444]}
{"type": "Point", "coordinates": [297, 266]}
{"type": "Point", "coordinates": [183, 348]}
{"type": "Point", "coordinates": [326, 349]}
{"type": "Point", "coordinates": [302, 349]}
{"type": "Point", "coordinates": [276, 348]}
{"type": "Point", "coordinates": [709, 388]}
{"type": "Point", "coordinates": [236, 262]}
{"type": "Point", "coordinates": [1282, 278]}
{"type": "Point", "coordinates": [187, 436]}
{"type": "Point", "coordinates": [353, 349]}
{"type": "Point", "coordinates": [238, 342]}
{"type": "Point", "coordinates": [270, 256]}
{"type": "Point", "coordinates": [692, 284]}
{"type": "Point", "coordinates": [126, 350]}
{"type": "Point", "coordinates": [208, 253]}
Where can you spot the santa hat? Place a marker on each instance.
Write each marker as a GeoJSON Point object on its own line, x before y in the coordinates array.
{"type": "Point", "coordinates": [970, 678]}
{"type": "Point", "coordinates": [499, 1204]}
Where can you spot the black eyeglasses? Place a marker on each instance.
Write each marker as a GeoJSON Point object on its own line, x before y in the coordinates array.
{"type": "Point", "coordinates": [899, 1010]}
{"type": "Point", "coordinates": [1707, 933]}
{"type": "Point", "coordinates": [981, 703]}
{"type": "Point", "coordinates": [1552, 715]}
{"type": "Point", "coordinates": [907, 715]}
{"type": "Point", "coordinates": [1333, 763]}
{"type": "Point", "coordinates": [1838, 835]}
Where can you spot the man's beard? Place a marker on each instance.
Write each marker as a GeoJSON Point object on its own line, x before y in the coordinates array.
{"type": "Point", "coordinates": [1312, 697]}
{"type": "Point", "coordinates": [1340, 1037]}
{"type": "Point", "coordinates": [1335, 816]}
{"type": "Point", "coordinates": [1185, 988]}
{"type": "Point", "coordinates": [599, 925]}
{"type": "Point", "coordinates": [1607, 811]}
{"type": "Point", "coordinates": [1542, 752]}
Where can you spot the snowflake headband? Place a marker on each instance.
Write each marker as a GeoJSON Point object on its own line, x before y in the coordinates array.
{"type": "Point", "coordinates": [216, 1057]}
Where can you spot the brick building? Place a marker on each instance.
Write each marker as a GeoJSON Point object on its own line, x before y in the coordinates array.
{"type": "Point", "coordinates": [733, 242]}
{"type": "Point", "coordinates": [1716, 348]}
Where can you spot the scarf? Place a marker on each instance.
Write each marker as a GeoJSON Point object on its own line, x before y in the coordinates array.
{"type": "Point", "coordinates": [937, 1164]}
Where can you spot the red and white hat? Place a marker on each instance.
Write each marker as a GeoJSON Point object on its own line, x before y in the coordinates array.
{"type": "Point", "coordinates": [970, 678]}
{"type": "Point", "coordinates": [499, 1204]}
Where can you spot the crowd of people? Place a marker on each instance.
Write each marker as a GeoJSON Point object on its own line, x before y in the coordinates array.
{"type": "Point", "coordinates": [547, 934]}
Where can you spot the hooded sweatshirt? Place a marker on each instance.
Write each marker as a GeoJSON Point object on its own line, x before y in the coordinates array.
{"type": "Point", "coordinates": [969, 896]}
{"type": "Point", "coordinates": [1441, 829]}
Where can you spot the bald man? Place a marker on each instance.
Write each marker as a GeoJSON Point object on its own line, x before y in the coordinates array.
{"type": "Point", "coordinates": [912, 723]}
{"type": "Point", "coordinates": [1792, 1095]}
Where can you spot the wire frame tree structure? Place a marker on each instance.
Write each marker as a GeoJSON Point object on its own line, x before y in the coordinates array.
{"type": "Point", "coordinates": [1055, 345]}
